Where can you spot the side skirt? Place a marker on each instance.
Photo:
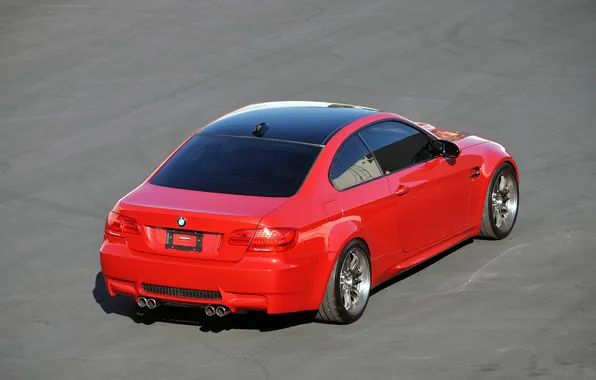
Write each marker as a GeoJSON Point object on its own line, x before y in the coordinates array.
{"type": "Point", "coordinates": [425, 254]}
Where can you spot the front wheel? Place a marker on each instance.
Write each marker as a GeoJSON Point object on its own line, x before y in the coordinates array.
{"type": "Point", "coordinates": [501, 204]}
{"type": "Point", "coordinates": [349, 286]}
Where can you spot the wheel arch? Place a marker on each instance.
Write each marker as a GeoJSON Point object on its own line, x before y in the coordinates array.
{"type": "Point", "coordinates": [332, 258]}
{"type": "Point", "coordinates": [495, 165]}
{"type": "Point", "coordinates": [361, 239]}
{"type": "Point", "coordinates": [331, 307]}
{"type": "Point", "coordinates": [493, 155]}
{"type": "Point", "coordinates": [513, 164]}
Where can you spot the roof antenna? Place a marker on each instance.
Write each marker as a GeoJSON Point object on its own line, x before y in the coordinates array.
{"type": "Point", "coordinates": [260, 129]}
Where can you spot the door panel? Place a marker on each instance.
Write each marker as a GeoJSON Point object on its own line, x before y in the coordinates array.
{"type": "Point", "coordinates": [436, 203]}
{"type": "Point", "coordinates": [431, 193]}
{"type": "Point", "coordinates": [371, 206]}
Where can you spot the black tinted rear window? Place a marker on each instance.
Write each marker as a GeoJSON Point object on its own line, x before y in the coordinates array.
{"type": "Point", "coordinates": [234, 165]}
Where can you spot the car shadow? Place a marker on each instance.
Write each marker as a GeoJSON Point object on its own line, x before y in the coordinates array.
{"type": "Point", "coordinates": [126, 306]}
{"type": "Point", "coordinates": [415, 269]}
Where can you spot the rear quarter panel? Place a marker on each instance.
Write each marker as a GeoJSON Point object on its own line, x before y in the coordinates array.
{"type": "Point", "coordinates": [322, 234]}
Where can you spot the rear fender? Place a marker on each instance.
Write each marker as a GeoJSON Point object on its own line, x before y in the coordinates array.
{"type": "Point", "coordinates": [324, 232]}
{"type": "Point", "coordinates": [340, 234]}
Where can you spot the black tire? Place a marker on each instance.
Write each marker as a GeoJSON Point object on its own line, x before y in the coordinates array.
{"type": "Point", "coordinates": [488, 228]}
{"type": "Point", "coordinates": [332, 309]}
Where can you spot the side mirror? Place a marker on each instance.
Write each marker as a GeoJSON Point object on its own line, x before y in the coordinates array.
{"type": "Point", "coordinates": [447, 149]}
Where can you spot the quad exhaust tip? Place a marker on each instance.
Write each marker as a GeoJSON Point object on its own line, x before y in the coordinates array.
{"type": "Point", "coordinates": [220, 311]}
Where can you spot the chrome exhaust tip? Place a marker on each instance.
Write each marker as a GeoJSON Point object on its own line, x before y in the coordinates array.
{"type": "Point", "coordinates": [222, 311]}
{"type": "Point", "coordinates": [142, 302]}
{"type": "Point", "coordinates": [209, 310]}
{"type": "Point", "coordinates": [151, 303]}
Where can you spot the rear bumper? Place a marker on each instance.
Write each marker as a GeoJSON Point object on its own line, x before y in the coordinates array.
{"type": "Point", "coordinates": [269, 284]}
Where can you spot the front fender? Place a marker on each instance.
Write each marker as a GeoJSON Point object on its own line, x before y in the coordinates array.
{"type": "Point", "coordinates": [493, 155]}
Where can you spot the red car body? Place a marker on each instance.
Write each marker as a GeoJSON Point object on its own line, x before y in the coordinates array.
{"type": "Point", "coordinates": [276, 254]}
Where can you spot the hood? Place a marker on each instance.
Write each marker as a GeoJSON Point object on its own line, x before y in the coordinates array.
{"type": "Point", "coordinates": [462, 139]}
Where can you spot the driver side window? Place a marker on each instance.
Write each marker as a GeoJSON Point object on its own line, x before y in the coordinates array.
{"type": "Point", "coordinates": [397, 146]}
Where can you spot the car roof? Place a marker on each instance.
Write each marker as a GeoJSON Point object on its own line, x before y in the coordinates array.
{"type": "Point", "coordinates": [310, 122]}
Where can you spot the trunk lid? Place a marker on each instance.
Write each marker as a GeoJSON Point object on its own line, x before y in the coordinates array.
{"type": "Point", "coordinates": [210, 218]}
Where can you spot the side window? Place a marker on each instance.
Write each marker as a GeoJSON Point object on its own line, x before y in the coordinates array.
{"type": "Point", "coordinates": [397, 146]}
{"type": "Point", "coordinates": [353, 164]}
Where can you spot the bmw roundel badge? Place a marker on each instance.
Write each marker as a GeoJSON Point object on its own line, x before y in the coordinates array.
{"type": "Point", "coordinates": [181, 221]}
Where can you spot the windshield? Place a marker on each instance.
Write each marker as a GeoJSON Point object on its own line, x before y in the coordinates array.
{"type": "Point", "coordinates": [237, 165]}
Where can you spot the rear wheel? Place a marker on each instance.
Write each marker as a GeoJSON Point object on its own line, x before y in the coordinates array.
{"type": "Point", "coordinates": [501, 204]}
{"type": "Point", "coordinates": [349, 285]}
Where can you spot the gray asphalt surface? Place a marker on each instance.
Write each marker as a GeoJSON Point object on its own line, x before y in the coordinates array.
{"type": "Point", "coordinates": [95, 94]}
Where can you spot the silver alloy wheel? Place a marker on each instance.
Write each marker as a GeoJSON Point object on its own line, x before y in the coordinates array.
{"type": "Point", "coordinates": [504, 201]}
{"type": "Point", "coordinates": [354, 281]}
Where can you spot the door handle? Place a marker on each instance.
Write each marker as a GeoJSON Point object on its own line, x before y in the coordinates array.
{"type": "Point", "coordinates": [402, 190]}
{"type": "Point", "coordinates": [475, 173]}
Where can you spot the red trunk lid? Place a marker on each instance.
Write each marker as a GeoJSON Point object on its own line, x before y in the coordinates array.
{"type": "Point", "coordinates": [210, 218]}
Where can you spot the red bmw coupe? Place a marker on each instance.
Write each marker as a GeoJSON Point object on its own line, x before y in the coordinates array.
{"type": "Point", "coordinates": [296, 206]}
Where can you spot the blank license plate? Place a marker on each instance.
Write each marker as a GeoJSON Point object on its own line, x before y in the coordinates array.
{"type": "Point", "coordinates": [186, 241]}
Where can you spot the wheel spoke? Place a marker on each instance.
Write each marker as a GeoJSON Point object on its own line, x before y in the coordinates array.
{"type": "Point", "coordinates": [498, 219]}
{"type": "Point", "coordinates": [502, 184]}
{"type": "Point", "coordinates": [346, 298]}
{"type": "Point", "coordinates": [354, 263]}
{"type": "Point", "coordinates": [507, 189]}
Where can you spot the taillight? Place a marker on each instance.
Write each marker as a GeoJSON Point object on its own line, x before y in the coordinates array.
{"type": "Point", "coordinates": [241, 237]}
{"type": "Point", "coordinates": [265, 239]}
{"type": "Point", "coordinates": [118, 225]}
